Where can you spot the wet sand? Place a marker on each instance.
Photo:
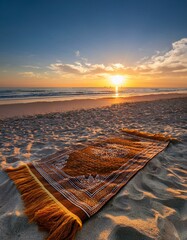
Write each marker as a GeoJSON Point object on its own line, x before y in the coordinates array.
{"type": "Point", "coordinates": [20, 109]}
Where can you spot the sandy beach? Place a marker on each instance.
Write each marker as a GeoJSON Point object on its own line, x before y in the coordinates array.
{"type": "Point", "coordinates": [153, 205]}
{"type": "Point", "coordinates": [33, 108]}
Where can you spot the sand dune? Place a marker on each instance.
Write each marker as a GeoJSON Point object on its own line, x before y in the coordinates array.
{"type": "Point", "coordinates": [153, 205]}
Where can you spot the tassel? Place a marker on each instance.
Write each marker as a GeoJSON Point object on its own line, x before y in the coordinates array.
{"type": "Point", "coordinates": [157, 136]}
{"type": "Point", "coordinates": [42, 207]}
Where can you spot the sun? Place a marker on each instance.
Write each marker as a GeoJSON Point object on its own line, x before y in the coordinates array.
{"type": "Point", "coordinates": [117, 80]}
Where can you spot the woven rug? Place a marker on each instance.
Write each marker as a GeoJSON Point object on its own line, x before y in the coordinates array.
{"type": "Point", "coordinates": [63, 190]}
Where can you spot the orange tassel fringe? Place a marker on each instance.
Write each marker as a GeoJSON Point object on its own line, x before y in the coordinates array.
{"type": "Point", "coordinates": [43, 208]}
{"type": "Point", "coordinates": [158, 136]}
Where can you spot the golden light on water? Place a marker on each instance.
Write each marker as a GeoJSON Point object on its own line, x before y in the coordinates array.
{"type": "Point", "coordinates": [117, 93]}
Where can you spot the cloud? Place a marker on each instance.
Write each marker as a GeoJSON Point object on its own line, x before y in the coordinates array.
{"type": "Point", "coordinates": [33, 75]}
{"type": "Point", "coordinates": [77, 53]}
{"type": "Point", "coordinates": [27, 74]}
{"type": "Point", "coordinates": [76, 68]}
{"type": "Point", "coordinates": [82, 58]}
{"type": "Point", "coordinates": [86, 68]}
{"type": "Point", "coordinates": [31, 66]}
{"type": "Point", "coordinates": [172, 61]}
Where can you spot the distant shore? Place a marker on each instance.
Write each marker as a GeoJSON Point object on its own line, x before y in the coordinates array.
{"type": "Point", "coordinates": [28, 109]}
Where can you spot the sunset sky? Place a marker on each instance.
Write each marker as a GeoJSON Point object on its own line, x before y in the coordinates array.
{"type": "Point", "coordinates": [83, 43]}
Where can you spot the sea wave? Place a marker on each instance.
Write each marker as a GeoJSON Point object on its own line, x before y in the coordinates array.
{"type": "Point", "coordinates": [29, 93]}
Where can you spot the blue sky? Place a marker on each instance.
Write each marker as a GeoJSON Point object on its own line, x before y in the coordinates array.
{"type": "Point", "coordinates": [42, 32]}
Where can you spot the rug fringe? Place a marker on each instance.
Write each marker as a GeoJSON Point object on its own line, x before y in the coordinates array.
{"type": "Point", "coordinates": [157, 136]}
{"type": "Point", "coordinates": [42, 207]}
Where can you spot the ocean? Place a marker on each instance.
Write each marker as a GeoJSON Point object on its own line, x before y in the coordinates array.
{"type": "Point", "coordinates": [14, 95]}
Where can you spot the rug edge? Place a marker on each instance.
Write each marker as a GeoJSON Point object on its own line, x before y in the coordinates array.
{"type": "Point", "coordinates": [154, 136]}
{"type": "Point", "coordinates": [42, 207]}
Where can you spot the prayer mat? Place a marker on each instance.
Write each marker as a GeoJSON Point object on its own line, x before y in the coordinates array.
{"type": "Point", "coordinates": [65, 189]}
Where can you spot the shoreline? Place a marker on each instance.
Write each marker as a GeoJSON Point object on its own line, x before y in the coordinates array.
{"type": "Point", "coordinates": [81, 93]}
{"type": "Point", "coordinates": [35, 108]}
